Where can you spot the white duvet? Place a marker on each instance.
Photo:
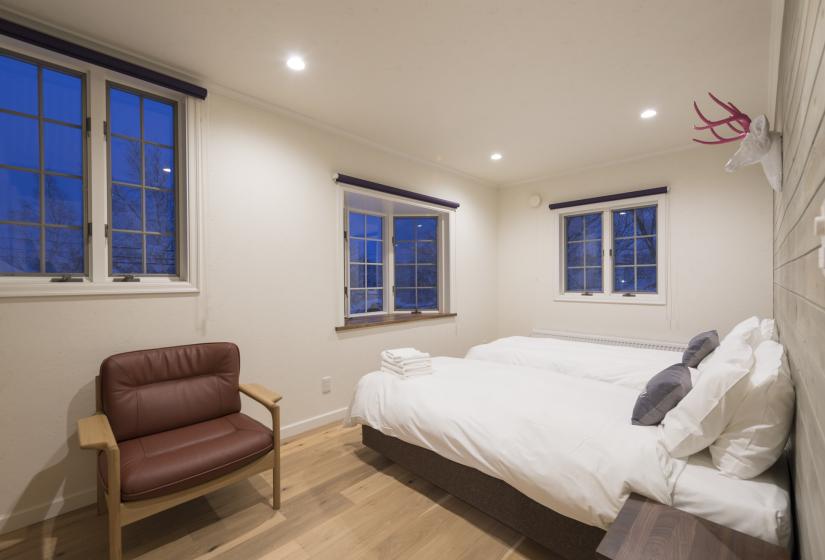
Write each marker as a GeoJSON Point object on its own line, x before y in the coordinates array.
{"type": "Point", "coordinates": [621, 365]}
{"type": "Point", "coordinates": [564, 441]}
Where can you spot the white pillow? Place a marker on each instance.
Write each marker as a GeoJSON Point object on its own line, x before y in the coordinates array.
{"type": "Point", "coordinates": [767, 328]}
{"type": "Point", "coordinates": [701, 417]}
{"type": "Point", "coordinates": [756, 435]}
{"type": "Point", "coordinates": [750, 329]}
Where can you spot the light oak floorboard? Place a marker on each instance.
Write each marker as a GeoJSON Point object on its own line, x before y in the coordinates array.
{"type": "Point", "coordinates": [340, 500]}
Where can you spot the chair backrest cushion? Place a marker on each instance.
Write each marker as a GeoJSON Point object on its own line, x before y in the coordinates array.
{"type": "Point", "coordinates": [151, 391]}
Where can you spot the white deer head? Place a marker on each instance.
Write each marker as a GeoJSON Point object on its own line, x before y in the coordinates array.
{"type": "Point", "coordinates": [759, 143]}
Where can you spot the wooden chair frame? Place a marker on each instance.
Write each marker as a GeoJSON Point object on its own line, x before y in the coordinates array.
{"type": "Point", "coordinates": [94, 432]}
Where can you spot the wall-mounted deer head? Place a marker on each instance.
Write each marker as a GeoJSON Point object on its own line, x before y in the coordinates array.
{"type": "Point", "coordinates": [759, 143]}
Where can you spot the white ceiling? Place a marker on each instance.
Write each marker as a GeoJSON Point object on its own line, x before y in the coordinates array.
{"type": "Point", "coordinates": [553, 85]}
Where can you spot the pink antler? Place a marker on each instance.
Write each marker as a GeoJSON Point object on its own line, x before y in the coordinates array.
{"type": "Point", "coordinates": [738, 122]}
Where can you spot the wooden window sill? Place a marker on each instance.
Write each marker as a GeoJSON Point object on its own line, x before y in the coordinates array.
{"type": "Point", "coordinates": [394, 319]}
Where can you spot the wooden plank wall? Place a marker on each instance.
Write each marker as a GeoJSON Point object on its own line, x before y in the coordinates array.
{"type": "Point", "coordinates": [799, 285]}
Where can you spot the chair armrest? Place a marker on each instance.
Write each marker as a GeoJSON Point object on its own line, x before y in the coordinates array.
{"type": "Point", "coordinates": [261, 394]}
{"type": "Point", "coordinates": [94, 432]}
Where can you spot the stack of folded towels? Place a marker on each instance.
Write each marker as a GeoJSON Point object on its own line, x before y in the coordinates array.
{"type": "Point", "coordinates": [406, 362]}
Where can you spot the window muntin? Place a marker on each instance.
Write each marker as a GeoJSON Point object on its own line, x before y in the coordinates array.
{"type": "Point", "coordinates": [42, 169]}
{"type": "Point", "coordinates": [142, 152]}
{"type": "Point", "coordinates": [366, 263]}
{"type": "Point", "coordinates": [583, 253]}
{"type": "Point", "coordinates": [416, 262]}
{"type": "Point", "coordinates": [635, 250]}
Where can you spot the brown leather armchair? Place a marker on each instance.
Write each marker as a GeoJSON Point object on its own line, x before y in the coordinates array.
{"type": "Point", "coordinates": [169, 429]}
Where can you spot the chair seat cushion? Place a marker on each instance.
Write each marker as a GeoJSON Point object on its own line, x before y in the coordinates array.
{"type": "Point", "coordinates": [166, 462]}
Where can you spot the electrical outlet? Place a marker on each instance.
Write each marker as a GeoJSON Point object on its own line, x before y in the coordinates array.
{"type": "Point", "coordinates": [326, 384]}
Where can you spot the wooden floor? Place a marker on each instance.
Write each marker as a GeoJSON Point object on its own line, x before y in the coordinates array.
{"type": "Point", "coordinates": [341, 500]}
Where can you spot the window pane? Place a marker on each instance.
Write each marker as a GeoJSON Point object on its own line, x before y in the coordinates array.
{"type": "Point", "coordinates": [63, 149]}
{"type": "Point", "coordinates": [624, 279]}
{"type": "Point", "coordinates": [405, 298]}
{"type": "Point", "coordinates": [126, 208]}
{"type": "Point", "coordinates": [375, 276]}
{"type": "Point", "coordinates": [19, 249]}
{"type": "Point", "coordinates": [357, 276]}
{"type": "Point", "coordinates": [357, 301]}
{"type": "Point", "coordinates": [405, 276]}
{"type": "Point", "coordinates": [427, 228]}
{"type": "Point", "coordinates": [375, 227]}
{"type": "Point", "coordinates": [646, 250]}
{"type": "Point", "coordinates": [62, 96]}
{"type": "Point", "coordinates": [127, 253]}
{"type": "Point", "coordinates": [427, 298]}
{"type": "Point", "coordinates": [405, 253]}
{"type": "Point", "coordinates": [64, 202]}
{"type": "Point", "coordinates": [593, 226]}
{"type": "Point", "coordinates": [404, 229]}
{"type": "Point", "coordinates": [356, 224]}
{"type": "Point", "coordinates": [375, 300]}
{"type": "Point", "coordinates": [64, 250]}
{"type": "Point", "coordinates": [357, 251]}
{"type": "Point", "coordinates": [160, 211]}
{"type": "Point", "coordinates": [427, 276]}
{"type": "Point", "coordinates": [593, 279]}
{"type": "Point", "coordinates": [19, 196]}
{"type": "Point", "coordinates": [426, 252]}
{"type": "Point", "coordinates": [623, 223]}
{"type": "Point", "coordinates": [124, 113]}
{"type": "Point", "coordinates": [125, 160]}
{"type": "Point", "coordinates": [646, 220]}
{"type": "Point", "coordinates": [158, 122]}
{"type": "Point", "coordinates": [161, 256]}
{"type": "Point", "coordinates": [19, 91]}
{"type": "Point", "coordinates": [623, 252]}
{"type": "Point", "coordinates": [575, 254]}
{"type": "Point", "coordinates": [375, 251]}
{"type": "Point", "coordinates": [575, 279]}
{"type": "Point", "coordinates": [160, 166]}
{"type": "Point", "coordinates": [593, 253]}
{"type": "Point", "coordinates": [646, 279]}
{"type": "Point", "coordinates": [575, 228]}
{"type": "Point", "coordinates": [19, 143]}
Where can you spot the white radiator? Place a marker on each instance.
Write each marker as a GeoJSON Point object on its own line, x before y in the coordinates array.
{"type": "Point", "coordinates": [612, 340]}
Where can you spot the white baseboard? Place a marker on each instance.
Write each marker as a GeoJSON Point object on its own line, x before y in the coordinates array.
{"type": "Point", "coordinates": [64, 504]}
{"type": "Point", "coordinates": [296, 428]}
{"type": "Point", "coordinates": [41, 512]}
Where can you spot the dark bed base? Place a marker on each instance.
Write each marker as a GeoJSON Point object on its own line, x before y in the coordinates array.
{"type": "Point", "coordinates": [565, 537]}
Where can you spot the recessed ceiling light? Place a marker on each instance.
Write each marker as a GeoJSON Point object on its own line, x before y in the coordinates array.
{"type": "Point", "coordinates": [648, 113]}
{"type": "Point", "coordinates": [496, 156]}
{"type": "Point", "coordinates": [296, 63]}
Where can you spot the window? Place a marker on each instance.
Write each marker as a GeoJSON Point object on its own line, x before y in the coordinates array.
{"type": "Point", "coordinates": [396, 256]}
{"type": "Point", "coordinates": [95, 172]}
{"type": "Point", "coordinates": [42, 171]}
{"type": "Point", "coordinates": [142, 191]}
{"type": "Point", "coordinates": [583, 237]}
{"type": "Point", "coordinates": [366, 263]}
{"type": "Point", "coordinates": [416, 263]}
{"type": "Point", "coordinates": [613, 252]}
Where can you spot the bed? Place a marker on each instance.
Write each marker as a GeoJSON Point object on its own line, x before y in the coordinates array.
{"type": "Point", "coordinates": [472, 428]}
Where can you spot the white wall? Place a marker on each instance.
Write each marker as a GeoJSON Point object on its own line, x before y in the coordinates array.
{"type": "Point", "coordinates": [720, 249]}
{"type": "Point", "coordinates": [269, 286]}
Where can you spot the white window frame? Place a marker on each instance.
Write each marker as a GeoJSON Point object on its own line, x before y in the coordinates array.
{"type": "Point", "coordinates": [97, 280]}
{"type": "Point", "coordinates": [608, 295]}
{"type": "Point", "coordinates": [444, 241]}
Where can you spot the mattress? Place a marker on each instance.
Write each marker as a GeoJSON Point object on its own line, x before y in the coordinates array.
{"type": "Point", "coordinates": [563, 441]}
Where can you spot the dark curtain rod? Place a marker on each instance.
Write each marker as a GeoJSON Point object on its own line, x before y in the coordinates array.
{"type": "Point", "coordinates": [608, 198]}
{"type": "Point", "coordinates": [62, 46]}
{"type": "Point", "coordinates": [356, 182]}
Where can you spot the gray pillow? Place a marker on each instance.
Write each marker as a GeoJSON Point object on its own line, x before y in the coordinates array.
{"type": "Point", "coordinates": [662, 393]}
{"type": "Point", "coordinates": [700, 346]}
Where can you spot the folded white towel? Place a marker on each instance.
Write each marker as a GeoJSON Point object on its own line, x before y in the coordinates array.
{"type": "Point", "coordinates": [406, 372]}
{"type": "Point", "coordinates": [407, 368]}
{"type": "Point", "coordinates": [403, 354]}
